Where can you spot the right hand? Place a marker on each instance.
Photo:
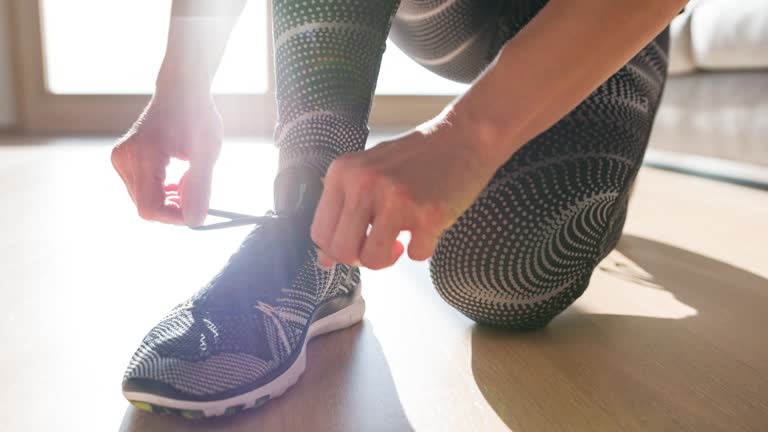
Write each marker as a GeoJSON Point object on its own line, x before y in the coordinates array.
{"type": "Point", "coordinates": [185, 127]}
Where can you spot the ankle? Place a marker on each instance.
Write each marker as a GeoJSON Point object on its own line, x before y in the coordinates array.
{"type": "Point", "coordinates": [297, 189]}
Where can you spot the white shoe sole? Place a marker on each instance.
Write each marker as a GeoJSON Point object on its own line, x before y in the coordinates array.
{"type": "Point", "coordinates": [341, 319]}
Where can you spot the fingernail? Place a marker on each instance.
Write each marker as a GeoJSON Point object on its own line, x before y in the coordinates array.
{"type": "Point", "coordinates": [324, 264]}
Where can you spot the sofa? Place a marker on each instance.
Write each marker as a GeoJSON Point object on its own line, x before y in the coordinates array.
{"type": "Point", "coordinates": [713, 119]}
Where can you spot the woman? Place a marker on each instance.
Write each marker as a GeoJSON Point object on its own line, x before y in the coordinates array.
{"type": "Point", "coordinates": [516, 190]}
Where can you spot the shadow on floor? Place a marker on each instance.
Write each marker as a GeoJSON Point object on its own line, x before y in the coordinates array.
{"type": "Point", "coordinates": [347, 386]}
{"type": "Point", "coordinates": [587, 371]}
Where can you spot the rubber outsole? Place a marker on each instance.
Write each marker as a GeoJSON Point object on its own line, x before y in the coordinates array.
{"type": "Point", "coordinates": [341, 319]}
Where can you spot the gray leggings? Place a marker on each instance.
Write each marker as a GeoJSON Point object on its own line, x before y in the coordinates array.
{"type": "Point", "coordinates": [526, 249]}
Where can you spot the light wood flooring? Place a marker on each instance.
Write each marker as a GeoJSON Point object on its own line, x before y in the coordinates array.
{"type": "Point", "coordinates": [671, 334]}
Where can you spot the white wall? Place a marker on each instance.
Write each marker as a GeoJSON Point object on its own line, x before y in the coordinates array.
{"type": "Point", "coordinates": [7, 114]}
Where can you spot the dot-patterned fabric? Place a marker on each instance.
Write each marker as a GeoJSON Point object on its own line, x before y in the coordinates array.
{"type": "Point", "coordinates": [450, 38]}
{"type": "Point", "coordinates": [522, 253]}
{"type": "Point", "coordinates": [327, 59]}
{"type": "Point", "coordinates": [527, 248]}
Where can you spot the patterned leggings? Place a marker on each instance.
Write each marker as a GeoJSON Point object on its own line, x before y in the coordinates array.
{"type": "Point", "coordinates": [527, 247]}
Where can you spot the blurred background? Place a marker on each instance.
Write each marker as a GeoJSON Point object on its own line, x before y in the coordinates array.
{"type": "Point", "coordinates": [82, 67]}
{"type": "Point", "coordinates": [82, 278]}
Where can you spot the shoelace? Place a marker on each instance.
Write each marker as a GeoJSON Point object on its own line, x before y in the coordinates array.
{"type": "Point", "coordinates": [235, 220]}
{"type": "Point", "coordinates": [238, 219]}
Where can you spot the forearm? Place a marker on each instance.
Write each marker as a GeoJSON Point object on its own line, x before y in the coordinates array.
{"type": "Point", "coordinates": [197, 37]}
{"type": "Point", "coordinates": [554, 63]}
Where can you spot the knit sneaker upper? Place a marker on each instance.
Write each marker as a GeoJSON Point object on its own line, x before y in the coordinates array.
{"type": "Point", "coordinates": [245, 325]}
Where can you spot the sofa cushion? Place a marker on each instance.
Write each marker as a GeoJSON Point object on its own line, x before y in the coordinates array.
{"type": "Point", "coordinates": [730, 34]}
{"type": "Point", "coordinates": [680, 49]}
{"type": "Point", "coordinates": [715, 114]}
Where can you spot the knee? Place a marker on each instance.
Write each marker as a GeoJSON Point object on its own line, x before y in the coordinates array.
{"type": "Point", "coordinates": [488, 294]}
{"type": "Point", "coordinates": [492, 309]}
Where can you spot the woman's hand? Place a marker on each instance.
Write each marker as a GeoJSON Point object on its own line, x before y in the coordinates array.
{"type": "Point", "coordinates": [182, 120]}
{"type": "Point", "coordinates": [183, 125]}
{"type": "Point", "coordinates": [421, 182]}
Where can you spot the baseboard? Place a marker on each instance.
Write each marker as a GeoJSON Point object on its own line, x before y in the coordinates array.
{"type": "Point", "coordinates": [742, 173]}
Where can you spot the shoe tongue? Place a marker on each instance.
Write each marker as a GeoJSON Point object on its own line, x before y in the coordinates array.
{"type": "Point", "coordinates": [267, 262]}
{"type": "Point", "coordinates": [297, 190]}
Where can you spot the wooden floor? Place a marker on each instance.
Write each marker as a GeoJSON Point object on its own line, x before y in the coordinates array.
{"type": "Point", "coordinates": [671, 334]}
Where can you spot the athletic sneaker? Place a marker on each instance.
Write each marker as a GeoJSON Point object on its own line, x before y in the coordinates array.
{"type": "Point", "coordinates": [241, 340]}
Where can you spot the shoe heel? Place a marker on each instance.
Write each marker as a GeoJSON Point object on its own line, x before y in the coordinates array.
{"type": "Point", "coordinates": [344, 318]}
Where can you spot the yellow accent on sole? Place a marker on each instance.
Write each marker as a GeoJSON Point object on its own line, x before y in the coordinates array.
{"type": "Point", "coordinates": [192, 414]}
{"type": "Point", "coordinates": [142, 406]}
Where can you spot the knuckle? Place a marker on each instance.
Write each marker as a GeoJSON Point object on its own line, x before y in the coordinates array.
{"type": "Point", "coordinates": [117, 156]}
{"type": "Point", "coordinates": [368, 179]}
{"type": "Point", "coordinates": [359, 192]}
{"type": "Point", "coordinates": [391, 206]}
{"type": "Point", "coordinates": [146, 213]}
{"type": "Point", "coordinates": [340, 165]}
{"type": "Point", "coordinates": [431, 216]}
{"type": "Point", "coordinates": [387, 186]}
{"type": "Point", "coordinates": [396, 196]}
{"type": "Point", "coordinates": [388, 193]}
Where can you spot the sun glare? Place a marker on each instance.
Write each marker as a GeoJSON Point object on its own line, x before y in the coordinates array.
{"type": "Point", "coordinates": [116, 47]}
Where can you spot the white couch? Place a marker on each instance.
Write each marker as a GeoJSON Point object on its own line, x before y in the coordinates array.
{"type": "Point", "coordinates": [715, 107]}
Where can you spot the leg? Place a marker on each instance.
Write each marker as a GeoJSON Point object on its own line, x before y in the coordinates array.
{"type": "Point", "coordinates": [457, 39]}
{"type": "Point", "coordinates": [327, 58]}
{"type": "Point", "coordinates": [527, 248]}
{"type": "Point", "coordinates": [241, 340]}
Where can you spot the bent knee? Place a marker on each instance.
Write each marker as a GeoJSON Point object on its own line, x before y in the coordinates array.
{"type": "Point", "coordinates": [498, 305]}
{"type": "Point", "coordinates": [496, 311]}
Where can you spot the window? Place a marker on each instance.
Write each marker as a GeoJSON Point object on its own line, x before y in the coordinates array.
{"type": "Point", "coordinates": [89, 65]}
{"type": "Point", "coordinates": [116, 46]}
{"type": "Point", "coordinates": [400, 75]}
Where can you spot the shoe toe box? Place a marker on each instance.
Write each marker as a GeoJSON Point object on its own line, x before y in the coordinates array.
{"type": "Point", "coordinates": [201, 357]}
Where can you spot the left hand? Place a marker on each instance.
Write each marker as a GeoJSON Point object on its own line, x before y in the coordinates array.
{"type": "Point", "coordinates": [421, 182]}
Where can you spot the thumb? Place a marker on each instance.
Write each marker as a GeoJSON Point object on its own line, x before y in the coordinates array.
{"type": "Point", "coordinates": [195, 193]}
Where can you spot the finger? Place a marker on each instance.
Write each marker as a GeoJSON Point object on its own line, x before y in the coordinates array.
{"type": "Point", "coordinates": [324, 261]}
{"type": "Point", "coordinates": [170, 214]}
{"type": "Point", "coordinates": [171, 187]}
{"type": "Point", "coordinates": [148, 188]}
{"type": "Point", "coordinates": [381, 248]}
{"type": "Point", "coordinates": [130, 186]}
{"type": "Point", "coordinates": [195, 193]}
{"type": "Point", "coordinates": [123, 170]}
{"type": "Point", "coordinates": [396, 252]}
{"type": "Point", "coordinates": [351, 232]}
{"type": "Point", "coordinates": [173, 200]}
{"type": "Point", "coordinates": [422, 245]}
{"type": "Point", "coordinates": [182, 180]}
{"type": "Point", "coordinates": [327, 216]}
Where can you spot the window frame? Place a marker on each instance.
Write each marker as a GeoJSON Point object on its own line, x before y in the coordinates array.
{"type": "Point", "coordinates": [39, 110]}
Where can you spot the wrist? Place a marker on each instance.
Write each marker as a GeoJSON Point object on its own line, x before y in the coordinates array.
{"type": "Point", "coordinates": [175, 81]}
{"type": "Point", "coordinates": [195, 47]}
{"type": "Point", "coordinates": [489, 141]}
